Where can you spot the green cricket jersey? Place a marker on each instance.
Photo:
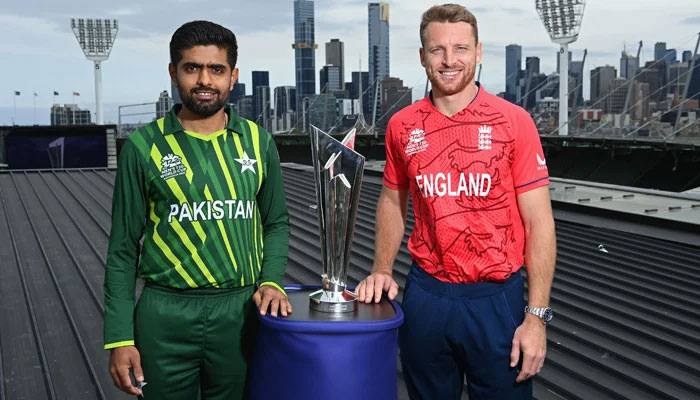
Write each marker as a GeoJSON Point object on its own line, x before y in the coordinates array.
{"type": "Point", "coordinates": [206, 207]}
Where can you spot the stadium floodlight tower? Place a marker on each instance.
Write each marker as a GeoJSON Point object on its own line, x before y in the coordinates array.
{"type": "Point", "coordinates": [96, 37]}
{"type": "Point", "coordinates": [562, 19]}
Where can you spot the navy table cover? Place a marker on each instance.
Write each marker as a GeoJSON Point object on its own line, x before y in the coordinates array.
{"type": "Point", "coordinates": [315, 355]}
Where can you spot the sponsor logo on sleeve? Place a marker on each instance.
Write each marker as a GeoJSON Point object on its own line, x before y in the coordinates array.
{"type": "Point", "coordinates": [542, 164]}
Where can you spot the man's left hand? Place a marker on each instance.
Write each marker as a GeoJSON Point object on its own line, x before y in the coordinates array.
{"type": "Point", "coordinates": [531, 339]}
{"type": "Point", "coordinates": [269, 296]}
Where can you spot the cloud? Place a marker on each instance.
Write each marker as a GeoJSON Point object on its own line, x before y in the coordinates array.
{"type": "Point", "coordinates": [120, 12]}
{"type": "Point", "coordinates": [485, 10]}
{"type": "Point", "coordinates": [692, 20]}
{"type": "Point", "coordinates": [513, 10]}
{"type": "Point", "coordinates": [34, 36]}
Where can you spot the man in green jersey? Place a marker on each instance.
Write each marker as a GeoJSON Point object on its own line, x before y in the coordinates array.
{"type": "Point", "coordinates": [203, 187]}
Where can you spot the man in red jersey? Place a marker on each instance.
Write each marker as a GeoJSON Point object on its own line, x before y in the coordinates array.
{"type": "Point", "coordinates": [475, 169]}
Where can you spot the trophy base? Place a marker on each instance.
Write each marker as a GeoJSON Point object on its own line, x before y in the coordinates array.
{"type": "Point", "coordinates": [332, 302]}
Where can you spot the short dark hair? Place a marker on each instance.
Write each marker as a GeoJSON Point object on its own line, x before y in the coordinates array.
{"type": "Point", "coordinates": [203, 33]}
{"type": "Point", "coordinates": [451, 13]}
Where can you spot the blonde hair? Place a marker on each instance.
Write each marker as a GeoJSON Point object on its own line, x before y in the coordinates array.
{"type": "Point", "coordinates": [452, 13]}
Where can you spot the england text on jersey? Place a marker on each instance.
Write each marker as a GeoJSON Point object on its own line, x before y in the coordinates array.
{"type": "Point", "coordinates": [445, 185]}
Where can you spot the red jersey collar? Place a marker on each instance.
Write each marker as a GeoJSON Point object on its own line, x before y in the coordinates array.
{"type": "Point", "coordinates": [429, 101]}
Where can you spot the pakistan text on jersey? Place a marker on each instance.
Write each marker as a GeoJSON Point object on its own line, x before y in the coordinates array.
{"type": "Point", "coordinates": [441, 185]}
{"type": "Point", "coordinates": [207, 210]}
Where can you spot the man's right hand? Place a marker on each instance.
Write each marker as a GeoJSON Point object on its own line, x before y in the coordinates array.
{"type": "Point", "coordinates": [373, 286]}
{"type": "Point", "coordinates": [121, 360]}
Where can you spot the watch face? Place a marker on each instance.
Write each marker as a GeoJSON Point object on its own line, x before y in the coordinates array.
{"type": "Point", "coordinates": [548, 314]}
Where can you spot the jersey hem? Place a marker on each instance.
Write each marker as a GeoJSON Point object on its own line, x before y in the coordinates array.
{"type": "Point", "coordinates": [532, 185]}
{"type": "Point", "coordinates": [395, 186]}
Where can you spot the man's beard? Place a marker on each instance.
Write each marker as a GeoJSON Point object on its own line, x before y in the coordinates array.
{"type": "Point", "coordinates": [203, 109]}
{"type": "Point", "coordinates": [455, 87]}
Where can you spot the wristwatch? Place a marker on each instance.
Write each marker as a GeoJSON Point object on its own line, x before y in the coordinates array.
{"type": "Point", "coordinates": [543, 313]}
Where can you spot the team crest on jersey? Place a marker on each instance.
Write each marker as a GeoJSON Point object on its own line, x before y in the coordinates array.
{"type": "Point", "coordinates": [172, 166]}
{"type": "Point", "coordinates": [416, 142]}
{"type": "Point", "coordinates": [246, 163]}
{"type": "Point", "coordinates": [484, 137]}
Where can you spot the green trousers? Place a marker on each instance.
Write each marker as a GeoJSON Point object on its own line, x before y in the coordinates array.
{"type": "Point", "coordinates": [195, 344]}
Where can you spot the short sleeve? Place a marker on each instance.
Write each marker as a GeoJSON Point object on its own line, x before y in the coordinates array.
{"type": "Point", "coordinates": [529, 165]}
{"type": "Point", "coordinates": [395, 169]}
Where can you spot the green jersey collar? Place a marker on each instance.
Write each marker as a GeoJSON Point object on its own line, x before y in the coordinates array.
{"type": "Point", "coordinates": [172, 125]}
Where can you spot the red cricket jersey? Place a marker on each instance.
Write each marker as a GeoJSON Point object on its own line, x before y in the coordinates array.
{"type": "Point", "coordinates": [464, 173]}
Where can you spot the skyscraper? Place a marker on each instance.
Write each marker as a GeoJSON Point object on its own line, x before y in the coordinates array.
{"type": "Point", "coordinates": [615, 100]}
{"type": "Point", "coordinates": [513, 66]}
{"type": "Point", "coordinates": [671, 56]}
{"type": "Point", "coordinates": [323, 111]}
{"type": "Point", "coordinates": [237, 92]}
{"type": "Point", "coordinates": [69, 114]}
{"type": "Point", "coordinates": [652, 77]}
{"type": "Point", "coordinates": [639, 101]}
{"type": "Point", "coordinates": [629, 66]}
{"type": "Point", "coordinates": [304, 49]}
{"type": "Point", "coordinates": [263, 106]}
{"type": "Point", "coordinates": [330, 79]}
{"type": "Point", "coordinates": [659, 50]}
{"type": "Point", "coordinates": [687, 56]}
{"type": "Point", "coordinates": [654, 74]}
{"type": "Point", "coordinates": [335, 56]}
{"type": "Point", "coordinates": [285, 103]}
{"type": "Point", "coordinates": [395, 96]}
{"type": "Point", "coordinates": [245, 106]}
{"type": "Point", "coordinates": [260, 79]}
{"type": "Point", "coordinates": [163, 105]}
{"type": "Point", "coordinates": [678, 75]}
{"type": "Point", "coordinates": [694, 86]}
{"type": "Point", "coordinates": [175, 92]}
{"type": "Point", "coordinates": [378, 44]}
{"type": "Point", "coordinates": [285, 100]}
{"type": "Point", "coordinates": [601, 84]}
{"type": "Point", "coordinates": [360, 86]}
{"type": "Point", "coordinates": [532, 65]}
{"type": "Point", "coordinates": [576, 83]}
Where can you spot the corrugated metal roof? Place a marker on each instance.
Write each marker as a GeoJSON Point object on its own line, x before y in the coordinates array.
{"type": "Point", "coordinates": [53, 240]}
{"type": "Point", "coordinates": [676, 207]}
{"type": "Point", "coordinates": [627, 321]}
{"type": "Point", "coordinates": [627, 314]}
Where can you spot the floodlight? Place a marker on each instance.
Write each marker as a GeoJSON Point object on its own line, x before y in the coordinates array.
{"type": "Point", "coordinates": [562, 19]}
{"type": "Point", "coordinates": [96, 37]}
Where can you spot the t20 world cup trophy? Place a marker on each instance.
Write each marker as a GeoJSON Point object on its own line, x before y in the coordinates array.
{"type": "Point", "coordinates": [338, 170]}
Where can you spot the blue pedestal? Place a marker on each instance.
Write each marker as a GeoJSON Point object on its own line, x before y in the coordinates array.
{"type": "Point", "coordinates": [315, 355]}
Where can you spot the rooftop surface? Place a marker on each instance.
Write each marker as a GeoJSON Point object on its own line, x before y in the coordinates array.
{"type": "Point", "coordinates": [627, 313]}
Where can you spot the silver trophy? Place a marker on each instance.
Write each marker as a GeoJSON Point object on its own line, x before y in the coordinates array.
{"type": "Point", "coordinates": [338, 172]}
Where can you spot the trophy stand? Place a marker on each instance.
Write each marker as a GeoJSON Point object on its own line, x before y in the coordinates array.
{"type": "Point", "coordinates": [338, 170]}
{"type": "Point", "coordinates": [315, 350]}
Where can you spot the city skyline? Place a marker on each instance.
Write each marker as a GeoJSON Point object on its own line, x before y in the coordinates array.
{"type": "Point", "coordinates": [137, 69]}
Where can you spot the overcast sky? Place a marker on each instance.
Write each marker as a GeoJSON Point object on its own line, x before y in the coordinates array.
{"type": "Point", "coordinates": [39, 53]}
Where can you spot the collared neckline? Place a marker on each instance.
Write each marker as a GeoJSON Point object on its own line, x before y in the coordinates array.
{"type": "Point", "coordinates": [460, 112]}
{"type": "Point", "coordinates": [172, 125]}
